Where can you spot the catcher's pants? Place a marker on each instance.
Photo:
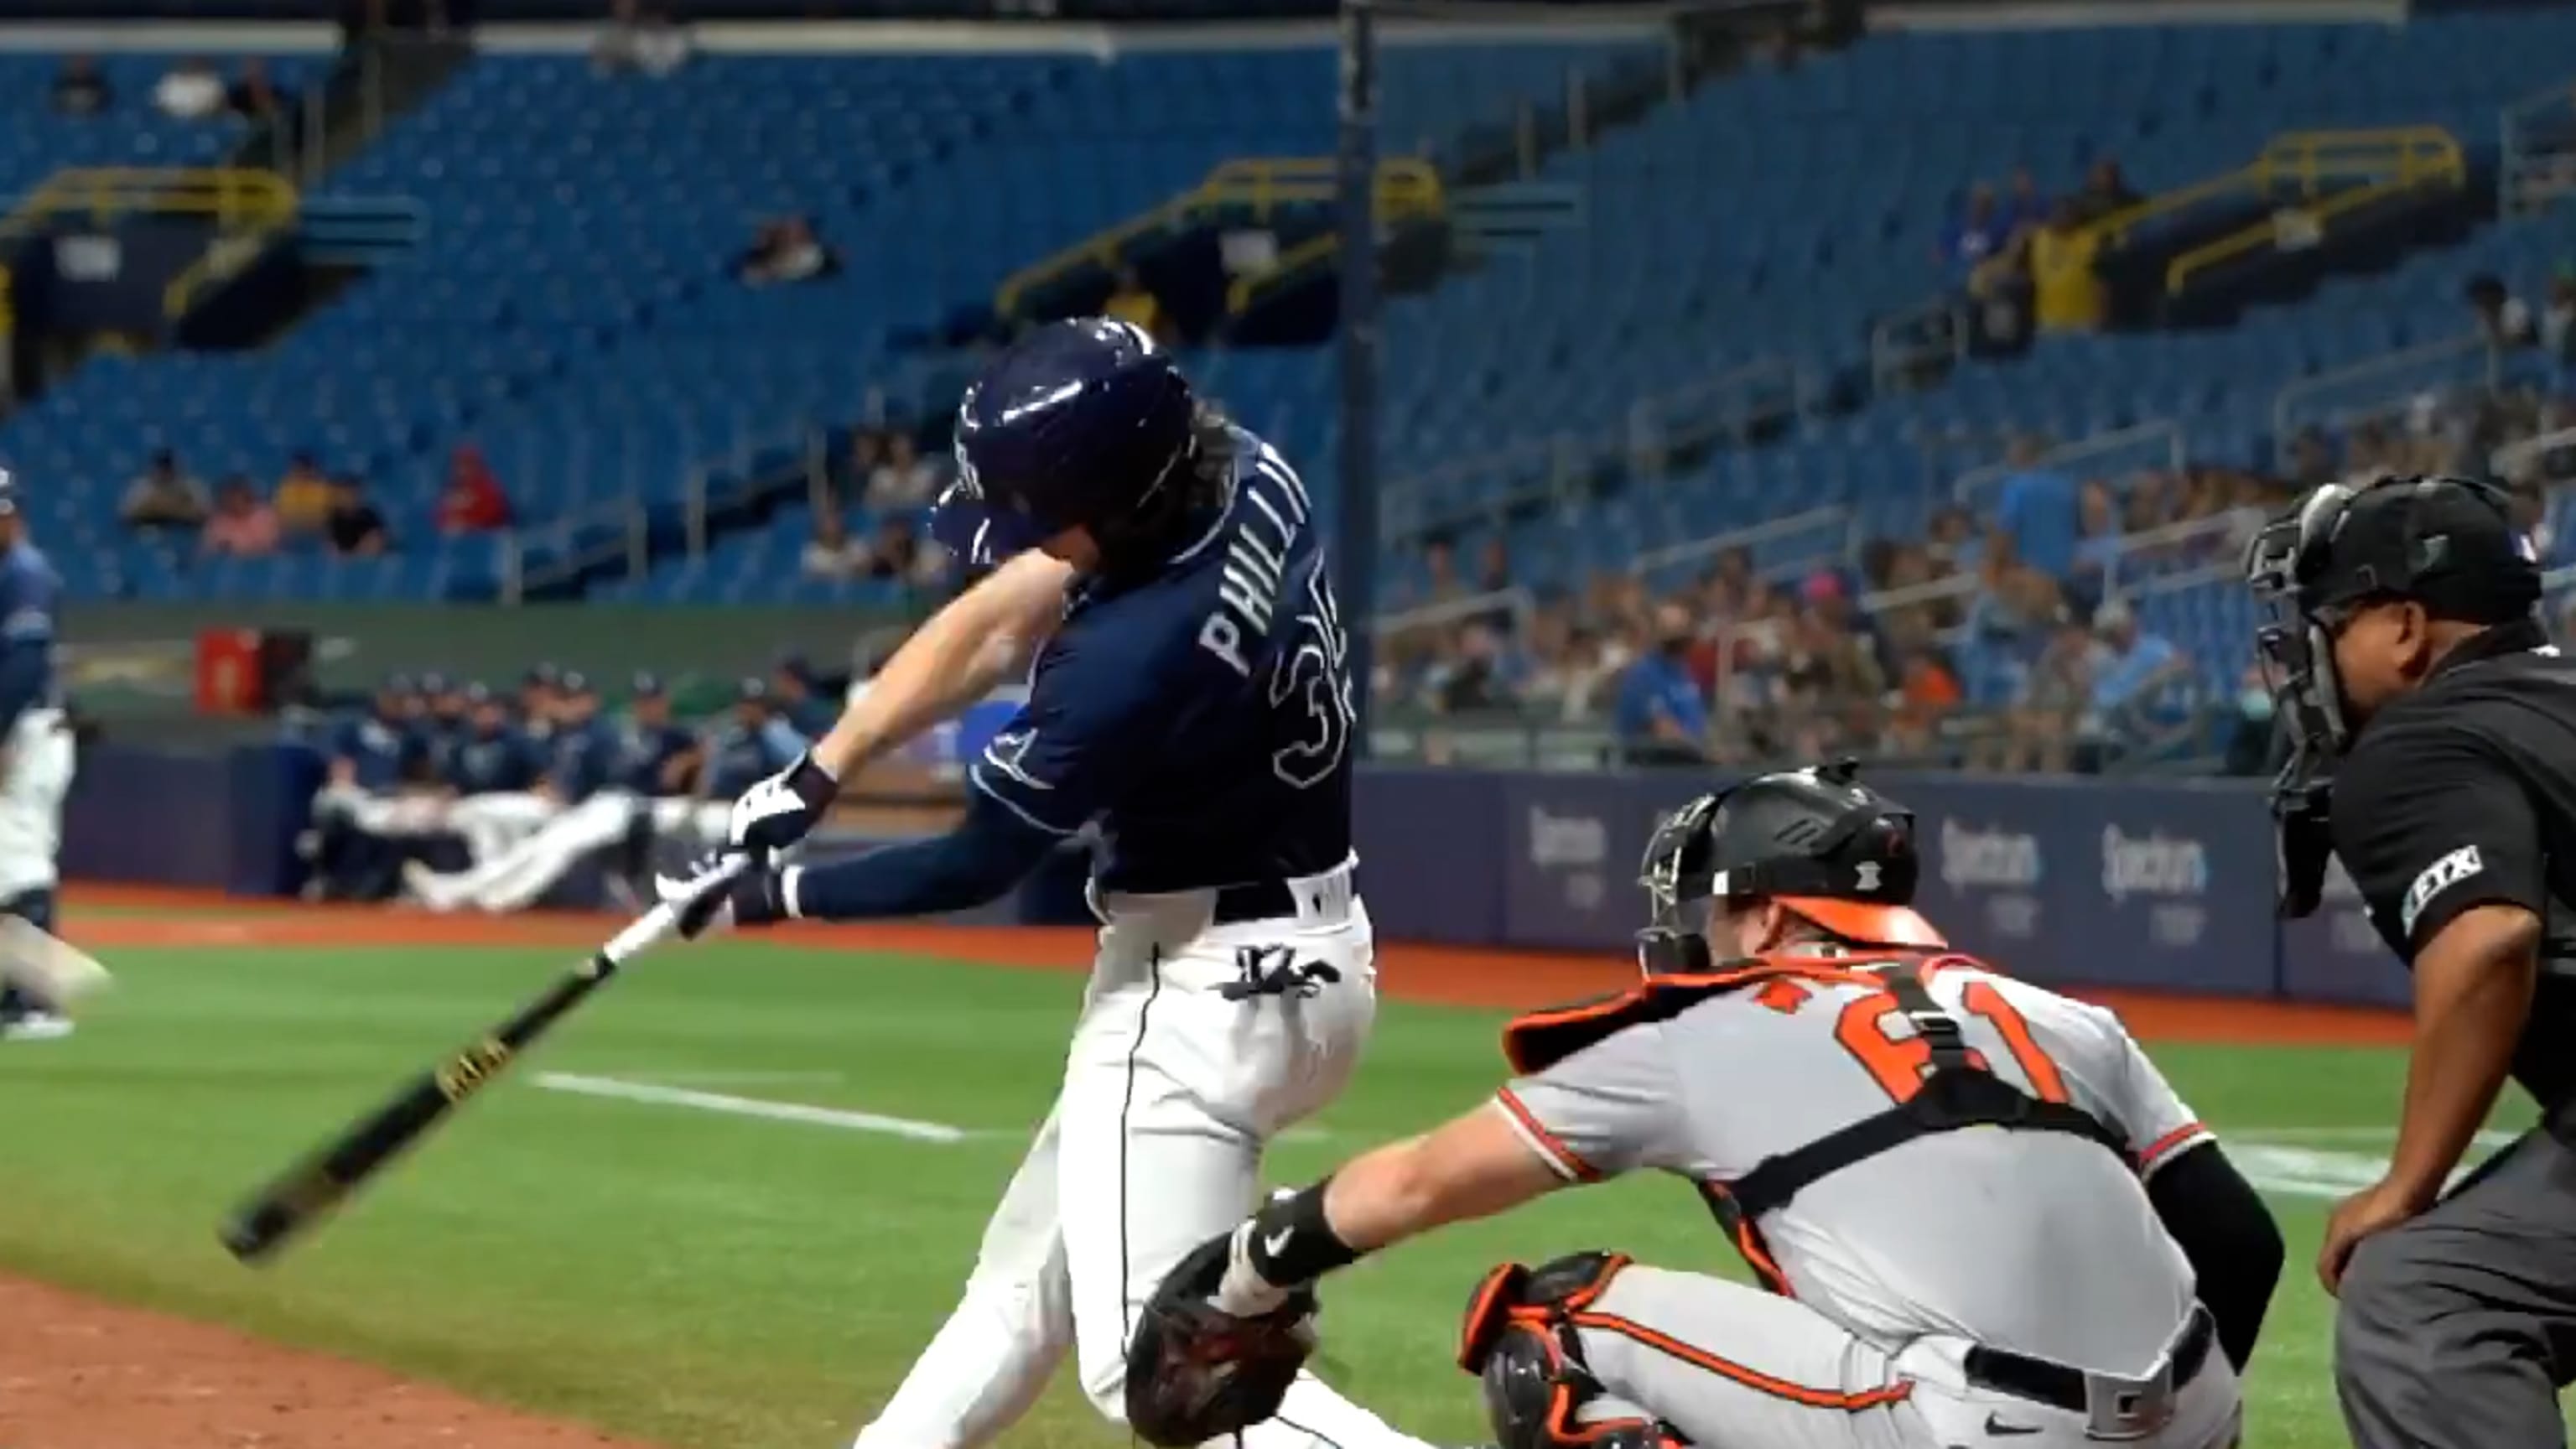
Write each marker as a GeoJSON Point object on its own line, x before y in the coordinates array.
{"type": "Point", "coordinates": [515, 877]}
{"type": "Point", "coordinates": [1731, 1365]}
{"type": "Point", "coordinates": [1153, 1147]}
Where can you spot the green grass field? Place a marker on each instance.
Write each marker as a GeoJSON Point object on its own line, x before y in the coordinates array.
{"type": "Point", "coordinates": [704, 1279]}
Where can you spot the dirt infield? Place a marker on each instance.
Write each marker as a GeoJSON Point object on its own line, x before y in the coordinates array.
{"type": "Point", "coordinates": [1447, 975]}
{"type": "Point", "coordinates": [80, 1374]}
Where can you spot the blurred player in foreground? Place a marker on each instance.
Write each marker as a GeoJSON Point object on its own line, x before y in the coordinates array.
{"type": "Point", "coordinates": [2094, 1270]}
{"type": "Point", "coordinates": [633, 779]}
{"type": "Point", "coordinates": [1191, 694]}
{"type": "Point", "coordinates": [36, 758]}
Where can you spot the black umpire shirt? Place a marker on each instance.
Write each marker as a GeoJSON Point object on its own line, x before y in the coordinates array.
{"type": "Point", "coordinates": [2463, 794]}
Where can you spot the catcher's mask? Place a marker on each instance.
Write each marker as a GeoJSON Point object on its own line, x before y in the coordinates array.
{"type": "Point", "coordinates": [1828, 849]}
{"type": "Point", "coordinates": [2447, 543]}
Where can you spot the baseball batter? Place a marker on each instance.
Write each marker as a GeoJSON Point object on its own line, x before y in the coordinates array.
{"type": "Point", "coordinates": [36, 753]}
{"type": "Point", "coordinates": [1191, 696]}
{"type": "Point", "coordinates": [2094, 1270]}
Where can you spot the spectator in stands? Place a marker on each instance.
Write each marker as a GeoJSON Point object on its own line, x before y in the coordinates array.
{"type": "Point", "coordinates": [1130, 300]}
{"type": "Point", "coordinates": [859, 468]}
{"type": "Point", "coordinates": [1978, 235]}
{"type": "Point", "coordinates": [79, 89]}
{"type": "Point", "coordinates": [2106, 193]}
{"type": "Point", "coordinates": [2098, 515]}
{"type": "Point", "coordinates": [1440, 569]}
{"type": "Point", "coordinates": [242, 526]}
{"type": "Point", "coordinates": [253, 96]}
{"type": "Point", "coordinates": [191, 91]}
{"type": "Point", "coordinates": [2040, 730]}
{"type": "Point", "coordinates": [355, 529]}
{"type": "Point", "coordinates": [640, 41]}
{"type": "Point", "coordinates": [1481, 672]}
{"type": "Point", "coordinates": [1951, 542]}
{"type": "Point", "coordinates": [786, 251]}
{"type": "Point", "coordinates": [831, 554]}
{"type": "Point", "coordinates": [304, 497]}
{"type": "Point", "coordinates": [473, 501]}
{"type": "Point", "coordinates": [904, 480]}
{"type": "Point", "coordinates": [163, 495]}
{"type": "Point", "coordinates": [2038, 515]}
{"type": "Point", "coordinates": [1493, 567]}
{"type": "Point", "coordinates": [897, 553]}
{"type": "Point", "coordinates": [1927, 693]}
{"type": "Point", "coordinates": [2502, 318]}
{"type": "Point", "coordinates": [1661, 719]}
{"type": "Point", "coordinates": [2066, 295]}
{"type": "Point", "coordinates": [2131, 670]}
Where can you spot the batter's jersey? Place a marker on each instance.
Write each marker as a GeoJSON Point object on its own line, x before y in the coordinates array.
{"type": "Point", "coordinates": [1201, 713]}
{"type": "Point", "coordinates": [2042, 1242]}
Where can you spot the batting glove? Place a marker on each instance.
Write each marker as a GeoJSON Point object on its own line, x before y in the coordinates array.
{"type": "Point", "coordinates": [775, 814]}
{"type": "Point", "coordinates": [720, 892]}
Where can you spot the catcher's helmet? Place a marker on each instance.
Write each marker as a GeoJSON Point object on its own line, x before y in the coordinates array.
{"type": "Point", "coordinates": [1825, 847]}
{"type": "Point", "coordinates": [1083, 423]}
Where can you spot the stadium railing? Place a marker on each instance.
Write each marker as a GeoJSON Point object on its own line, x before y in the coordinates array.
{"type": "Point", "coordinates": [2377, 164]}
{"type": "Point", "coordinates": [2536, 150]}
{"type": "Point", "coordinates": [1728, 402]}
{"type": "Point", "coordinates": [2532, 459]}
{"type": "Point", "coordinates": [2158, 444]}
{"type": "Point", "coordinates": [2130, 567]}
{"type": "Point", "coordinates": [2332, 399]}
{"type": "Point", "coordinates": [1520, 603]}
{"type": "Point", "coordinates": [1831, 529]}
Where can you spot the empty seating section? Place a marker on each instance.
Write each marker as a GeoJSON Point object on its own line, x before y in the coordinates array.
{"type": "Point", "coordinates": [572, 311]}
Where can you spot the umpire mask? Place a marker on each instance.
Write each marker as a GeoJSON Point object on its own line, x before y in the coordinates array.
{"type": "Point", "coordinates": [2447, 543]}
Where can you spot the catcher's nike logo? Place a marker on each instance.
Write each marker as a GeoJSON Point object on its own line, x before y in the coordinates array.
{"type": "Point", "coordinates": [1277, 1242]}
{"type": "Point", "coordinates": [1996, 1427]}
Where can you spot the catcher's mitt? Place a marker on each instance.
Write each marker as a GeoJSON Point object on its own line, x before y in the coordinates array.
{"type": "Point", "coordinates": [1196, 1372]}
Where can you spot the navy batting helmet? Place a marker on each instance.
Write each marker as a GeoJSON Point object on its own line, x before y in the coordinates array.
{"type": "Point", "coordinates": [1083, 423]}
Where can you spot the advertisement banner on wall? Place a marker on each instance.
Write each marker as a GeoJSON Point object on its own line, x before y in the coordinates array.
{"type": "Point", "coordinates": [1572, 847]}
{"type": "Point", "coordinates": [2336, 954]}
{"type": "Point", "coordinates": [2164, 886]}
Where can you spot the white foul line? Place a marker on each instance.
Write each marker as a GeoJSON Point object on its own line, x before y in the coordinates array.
{"type": "Point", "coordinates": [626, 1091]}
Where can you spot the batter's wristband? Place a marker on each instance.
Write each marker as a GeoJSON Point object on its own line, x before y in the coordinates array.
{"type": "Point", "coordinates": [1293, 1242]}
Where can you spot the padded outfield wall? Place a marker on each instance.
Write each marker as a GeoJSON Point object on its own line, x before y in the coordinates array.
{"type": "Point", "coordinates": [2074, 882]}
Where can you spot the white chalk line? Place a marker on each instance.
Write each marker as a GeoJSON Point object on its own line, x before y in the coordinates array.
{"type": "Point", "coordinates": [2283, 1166]}
{"type": "Point", "coordinates": [667, 1089]}
{"type": "Point", "coordinates": [619, 1089]}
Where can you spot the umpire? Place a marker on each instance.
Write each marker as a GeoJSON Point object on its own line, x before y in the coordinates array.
{"type": "Point", "coordinates": [2433, 747]}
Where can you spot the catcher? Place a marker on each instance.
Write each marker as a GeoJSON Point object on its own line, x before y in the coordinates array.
{"type": "Point", "coordinates": [2086, 1266]}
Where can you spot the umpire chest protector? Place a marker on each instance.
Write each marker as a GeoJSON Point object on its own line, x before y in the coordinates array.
{"type": "Point", "coordinates": [1957, 1091]}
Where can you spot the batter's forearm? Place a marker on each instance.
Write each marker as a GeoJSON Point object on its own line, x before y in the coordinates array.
{"type": "Point", "coordinates": [978, 640]}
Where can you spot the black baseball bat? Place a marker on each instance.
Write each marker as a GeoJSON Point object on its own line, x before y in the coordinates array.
{"type": "Point", "coordinates": [304, 1194]}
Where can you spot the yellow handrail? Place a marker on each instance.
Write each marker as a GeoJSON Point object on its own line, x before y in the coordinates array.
{"type": "Point", "coordinates": [2304, 157]}
{"type": "Point", "coordinates": [241, 201]}
{"type": "Point", "coordinates": [2387, 162]}
{"type": "Point", "coordinates": [1405, 186]}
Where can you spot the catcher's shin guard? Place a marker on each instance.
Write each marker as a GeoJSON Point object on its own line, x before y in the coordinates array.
{"type": "Point", "coordinates": [1519, 1338]}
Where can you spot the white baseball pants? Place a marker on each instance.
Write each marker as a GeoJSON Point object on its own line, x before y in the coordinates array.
{"type": "Point", "coordinates": [1153, 1147]}
{"type": "Point", "coordinates": [1730, 1365]}
{"type": "Point", "coordinates": [35, 775]}
{"type": "Point", "coordinates": [513, 878]}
